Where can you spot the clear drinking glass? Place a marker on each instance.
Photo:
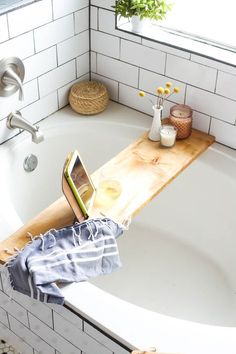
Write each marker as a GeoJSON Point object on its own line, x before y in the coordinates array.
{"type": "Point", "coordinates": [109, 187]}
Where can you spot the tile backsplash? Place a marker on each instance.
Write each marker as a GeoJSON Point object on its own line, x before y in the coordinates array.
{"type": "Point", "coordinates": [34, 327]}
{"type": "Point", "coordinates": [52, 39]}
{"type": "Point", "coordinates": [54, 43]}
{"type": "Point", "coordinates": [127, 63]}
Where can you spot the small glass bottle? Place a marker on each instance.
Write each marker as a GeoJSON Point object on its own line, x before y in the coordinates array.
{"type": "Point", "coordinates": [181, 118]}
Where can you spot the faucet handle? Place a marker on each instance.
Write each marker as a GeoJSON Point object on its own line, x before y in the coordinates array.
{"type": "Point", "coordinates": [10, 77]}
{"type": "Point", "coordinates": [12, 73]}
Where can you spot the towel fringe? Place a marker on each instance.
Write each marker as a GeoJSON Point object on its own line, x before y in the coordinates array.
{"type": "Point", "coordinates": [91, 235]}
{"type": "Point", "coordinates": [42, 242]}
{"type": "Point", "coordinates": [75, 234]}
{"type": "Point", "coordinates": [92, 227]}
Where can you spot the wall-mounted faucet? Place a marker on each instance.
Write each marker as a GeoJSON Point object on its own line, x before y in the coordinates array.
{"type": "Point", "coordinates": [15, 120]}
{"type": "Point", "coordinates": [12, 73]}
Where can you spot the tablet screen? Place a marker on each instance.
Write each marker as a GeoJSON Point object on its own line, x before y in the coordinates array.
{"type": "Point", "coordinates": [82, 182]}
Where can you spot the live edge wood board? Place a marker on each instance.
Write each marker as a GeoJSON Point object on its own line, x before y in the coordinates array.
{"type": "Point", "coordinates": [144, 168]}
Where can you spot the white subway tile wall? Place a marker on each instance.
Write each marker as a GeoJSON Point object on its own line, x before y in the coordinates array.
{"type": "Point", "coordinates": [143, 57]}
{"type": "Point", "coordinates": [117, 70]}
{"type": "Point", "coordinates": [105, 341]}
{"type": "Point", "coordinates": [93, 18]}
{"type": "Point", "coordinates": [128, 96]}
{"type": "Point", "coordinates": [105, 44]}
{"type": "Point", "coordinates": [63, 92]}
{"type": "Point", "coordinates": [4, 28]}
{"type": "Point", "coordinates": [55, 48]}
{"type": "Point", "coordinates": [78, 337]}
{"type": "Point", "coordinates": [192, 73]}
{"type": "Point", "coordinates": [148, 82]}
{"type": "Point", "coordinates": [14, 340]}
{"type": "Point", "coordinates": [226, 84]}
{"type": "Point", "coordinates": [52, 39]}
{"type": "Point", "coordinates": [12, 307]}
{"type": "Point", "coordinates": [201, 121]}
{"type": "Point", "coordinates": [3, 317]}
{"type": "Point", "coordinates": [36, 14]}
{"type": "Point", "coordinates": [226, 133]}
{"type": "Point", "coordinates": [37, 328]}
{"type": "Point", "coordinates": [41, 108]}
{"type": "Point", "coordinates": [81, 20]}
{"type": "Point", "coordinates": [27, 335]}
{"type": "Point", "coordinates": [106, 4]}
{"type": "Point", "coordinates": [112, 86]}
{"type": "Point", "coordinates": [40, 63]}
{"type": "Point", "coordinates": [51, 337]}
{"type": "Point", "coordinates": [211, 104]}
{"type": "Point", "coordinates": [82, 64]}
{"type": "Point", "coordinates": [11, 103]}
{"type": "Point", "coordinates": [166, 49]}
{"type": "Point", "coordinates": [53, 33]}
{"type": "Point", "coordinates": [21, 46]}
{"type": "Point", "coordinates": [213, 64]}
{"type": "Point", "coordinates": [62, 8]}
{"type": "Point", "coordinates": [141, 64]}
{"type": "Point", "coordinates": [73, 47]}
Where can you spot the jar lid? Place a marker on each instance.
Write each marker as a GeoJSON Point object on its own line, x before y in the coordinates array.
{"type": "Point", "coordinates": [181, 111]}
{"type": "Point", "coordinates": [88, 90]}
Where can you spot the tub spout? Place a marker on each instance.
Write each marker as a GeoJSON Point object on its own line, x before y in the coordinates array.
{"type": "Point", "coordinates": [15, 120]}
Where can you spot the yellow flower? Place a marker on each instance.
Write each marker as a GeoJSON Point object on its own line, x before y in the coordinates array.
{"type": "Point", "coordinates": [176, 89]}
{"type": "Point", "coordinates": [141, 93]}
{"type": "Point", "coordinates": [167, 91]}
{"type": "Point", "coordinates": [169, 84]}
{"type": "Point", "coordinates": [160, 90]}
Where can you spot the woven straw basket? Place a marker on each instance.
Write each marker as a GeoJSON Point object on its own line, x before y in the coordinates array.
{"type": "Point", "coordinates": [88, 97]}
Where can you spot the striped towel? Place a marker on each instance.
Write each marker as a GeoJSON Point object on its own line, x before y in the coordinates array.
{"type": "Point", "coordinates": [71, 254]}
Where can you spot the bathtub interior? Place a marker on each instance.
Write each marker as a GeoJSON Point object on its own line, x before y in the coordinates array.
{"type": "Point", "coordinates": [40, 188]}
{"type": "Point", "coordinates": [179, 254]}
{"type": "Point", "coordinates": [178, 261]}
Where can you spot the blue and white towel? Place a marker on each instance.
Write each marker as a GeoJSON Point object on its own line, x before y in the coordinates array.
{"type": "Point", "coordinates": [71, 254]}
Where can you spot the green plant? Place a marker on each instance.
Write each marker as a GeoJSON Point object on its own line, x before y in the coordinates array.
{"type": "Point", "coordinates": [153, 9]}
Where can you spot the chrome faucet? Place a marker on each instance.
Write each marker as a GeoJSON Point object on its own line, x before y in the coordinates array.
{"type": "Point", "coordinates": [12, 73]}
{"type": "Point", "coordinates": [11, 78]}
{"type": "Point", "coordinates": [15, 120]}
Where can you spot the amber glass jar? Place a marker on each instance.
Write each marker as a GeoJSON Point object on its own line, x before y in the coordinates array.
{"type": "Point", "coordinates": [181, 118]}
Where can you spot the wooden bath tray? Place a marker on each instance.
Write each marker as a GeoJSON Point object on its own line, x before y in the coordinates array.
{"type": "Point", "coordinates": [143, 169]}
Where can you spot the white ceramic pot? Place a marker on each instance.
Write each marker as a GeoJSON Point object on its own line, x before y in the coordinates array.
{"type": "Point", "coordinates": [137, 24]}
{"type": "Point", "coordinates": [154, 133]}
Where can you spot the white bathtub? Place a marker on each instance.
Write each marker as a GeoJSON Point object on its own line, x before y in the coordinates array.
{"type": "Point", "coordinates": [177, 288]}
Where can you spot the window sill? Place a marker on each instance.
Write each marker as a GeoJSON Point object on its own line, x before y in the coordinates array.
{"type": "Point", "coordinates": [13, 5]}
{"type": "Point", "coordinates": [155, 34]}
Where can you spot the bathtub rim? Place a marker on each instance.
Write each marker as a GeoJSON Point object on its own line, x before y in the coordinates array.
{"type": "Point", "coordinates": [172, 331]}
{"type": "Point", "coordinates": [106, 321]}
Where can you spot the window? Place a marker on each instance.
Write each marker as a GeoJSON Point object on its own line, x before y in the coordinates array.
{"type": "Point", "coordinates": [205, 27]}
{"type": "Point", "coordinates": [210, 20]}
{"type": "Point", "coordinates": [10, 5]}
